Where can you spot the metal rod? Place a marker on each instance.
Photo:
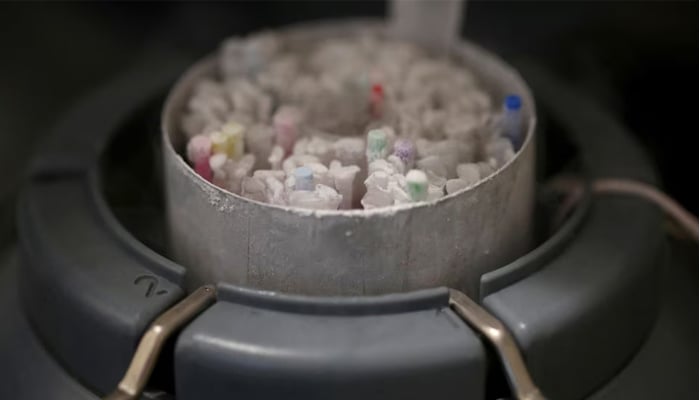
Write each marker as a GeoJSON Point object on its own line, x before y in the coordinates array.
{"type": "Point", "coordinates": [521, 384]}
{"type": "Point", "coordinates": [151, 344]}
{"type": "Point", "coordinates": [434, 24]}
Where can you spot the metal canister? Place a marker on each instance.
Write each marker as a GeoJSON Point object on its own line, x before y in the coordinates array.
{"type": "Point", "coordinates": [222, 237]}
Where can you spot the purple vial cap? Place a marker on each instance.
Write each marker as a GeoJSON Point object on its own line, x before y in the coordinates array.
{"type": "Point", "coordinates": [404, 149]}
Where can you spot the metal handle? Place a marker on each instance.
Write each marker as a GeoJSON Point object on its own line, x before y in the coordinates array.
{"type": "Point", "coordinates": [151, 343]}
{"type": "Point", "coordinates": [499, 337]}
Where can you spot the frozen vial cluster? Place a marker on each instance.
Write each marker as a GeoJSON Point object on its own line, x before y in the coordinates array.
{"type": "Point", "coordinates": [361, 122]}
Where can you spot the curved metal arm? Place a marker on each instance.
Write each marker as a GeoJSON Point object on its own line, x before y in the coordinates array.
{"type": "Point", "coordinates": [521, 384]}
{"type": "Point", "coordinates": [151, 343]}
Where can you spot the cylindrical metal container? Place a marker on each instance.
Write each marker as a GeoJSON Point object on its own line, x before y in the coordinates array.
{"type": "Point", "coordinates": [222, 237]}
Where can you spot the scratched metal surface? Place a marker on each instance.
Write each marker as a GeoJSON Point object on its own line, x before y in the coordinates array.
{"type": "Point", "coordinates": [219, 236]}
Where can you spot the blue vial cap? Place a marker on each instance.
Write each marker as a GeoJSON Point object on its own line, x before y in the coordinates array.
{"type": "Point", "coordinates": [513, 102]}
{"type": "Point", "coordinates": [304, 178]}
{"type": "Point", "coordinates": [303, 173]}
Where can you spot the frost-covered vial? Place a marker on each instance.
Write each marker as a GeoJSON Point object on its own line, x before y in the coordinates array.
{"type": "Point", "coordinates": [376, 144]}
{"type": "Point", "coordinates": [512, 119]}
{"type": "Point", "coordinates": [303, 179]}
{"type": "Point", "coordinates": [417, 185]}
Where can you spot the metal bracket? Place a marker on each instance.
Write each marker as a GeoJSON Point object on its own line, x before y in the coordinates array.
{"type": "Point", "coordinates": [498, 336]}
{"type": "Point", "coordinates": [151, 343]}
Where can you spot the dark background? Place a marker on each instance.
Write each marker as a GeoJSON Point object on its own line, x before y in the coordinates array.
{"type": "Point", "coordinates": [637, 59]}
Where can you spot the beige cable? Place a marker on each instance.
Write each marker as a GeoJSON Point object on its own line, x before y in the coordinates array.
{"type": "Point", "coordinates": [672, 208]}
{"type": "Point", "coordinates": [574, 187]}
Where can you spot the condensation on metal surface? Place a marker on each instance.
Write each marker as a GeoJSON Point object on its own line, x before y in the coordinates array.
{"type": "Point", "coordinates": [219, 236]}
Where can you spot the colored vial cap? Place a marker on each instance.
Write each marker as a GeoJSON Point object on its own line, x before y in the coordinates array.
{"type": "Point", "coordinates": [404, 149]}
{"type": "Point", "coordinates": [222, 142]}
{"type": "Point", "coordinates": [512, 102]}
{"type": "Point", "coordinates": [417, 185]}
{"type": "Point", "coordinates": [303, 179]}
{"type": "Point", "coordinates": [376, 140]}
{"type": "Point", "coordinates": [198, 148]}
